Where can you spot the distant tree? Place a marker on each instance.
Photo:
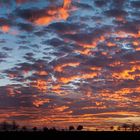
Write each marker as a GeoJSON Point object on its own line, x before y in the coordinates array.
{"type": "Point", "coordinates": [138, 127]}
{"type": "Point", "coordinates": [112, 127]}
{"type": "Point", "coordinates": [125, 126]}
{"type": "Point", "coordinates": [54, 129]}
{"type": "Point", "coordinates": [133, 127]}
{"type": "Point", "coordinates": [96, 129]}
{"type": "Point", "coordinates": [15, 126]}
{"type": "Point", "coordinates": [5, 126]}
{"type": "Point", "coordinates": [45, 129]}
{"type": "Point", "coordinates": [118, 128]}
{"type": "Point", "coordinates": [80, 127]}
{"type": "Point", "coordinates": [34, 128]}
{"type": "Point", "coordinates": [71, 128]}
{"type": "Point", "coordinates": [24, 128]}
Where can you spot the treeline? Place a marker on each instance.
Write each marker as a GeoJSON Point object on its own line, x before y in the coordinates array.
{"type": "Point", "coordinates": [127, 127]}
{"type": "Point", "coordinates": [13, 126]}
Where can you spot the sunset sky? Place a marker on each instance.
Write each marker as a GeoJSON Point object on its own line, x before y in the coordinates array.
{"type": "Point", "coordinates": [70, 62]}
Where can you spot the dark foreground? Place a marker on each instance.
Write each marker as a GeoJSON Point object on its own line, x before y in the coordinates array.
{"type": "Point", "coordinates": [59, 135]}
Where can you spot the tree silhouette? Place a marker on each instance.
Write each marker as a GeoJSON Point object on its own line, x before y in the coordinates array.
{"type": "Point", "coordinates": [133, 127]}
{"type": "Point", "coordinates": [80, 127]}
{"type": "Point", "coordinates": [15, 126]}
{"type": "Point", "coordinates": [125, 126]}
{"type": "Point", "coordinates": [34, 128]}
{"type": "Point", "coordinates": [111, 127]}
{"type": "Point", "coordinates": [118, 128]}
{"type": "Point", "coordinates": [45, 129]}
{"type": "Point", "coordinates": [5, 126]}
{"type": "Point", "coordinates": [96, 129]}
{"type": "Point", "coordinates": [71, 128]}
{"type": "Point", "coordinates": [53, 129]}
{"type": "Point", "coordinates": [24, 128]}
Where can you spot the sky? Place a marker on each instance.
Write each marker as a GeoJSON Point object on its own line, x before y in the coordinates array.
{"type": "Point", "coordinates": [70, 62]}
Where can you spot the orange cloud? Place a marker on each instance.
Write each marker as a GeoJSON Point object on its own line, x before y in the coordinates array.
{"type": "Point", "coordinates": [61, 108]}
{"type": "Point", "coordinates": [40, 102]}
{"type": "Point", "coordinates": [42, 73]}
{"type": "Point", "coordinates": [136, 43]}
{"type": "Point", "coordinates": [66, 80]}
{"type": "Point", "coordinates": [72, 64]}
{"type": "Point", "coordinates": [66, 3]}
{"type": "Point", "coordinates": [110, 44]}
{"type": "Point", "coordinates": [54, 14]}
{"type": "Point", "coordinates": [5, 28]}
{"type": "Point", "coordinates": [83, 52]}
{"type": "Point", "coordinates": [40, 84]}
{"type": "Point", "coordinates": [10, 91]}
{"type": "Point", "coordinates": [12, 76]}
{"type": "Point", "coordinates": [127, 74]}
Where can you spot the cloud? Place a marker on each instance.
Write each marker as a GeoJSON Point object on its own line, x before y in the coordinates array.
{"type": "Point", "coordinates": [69, 62]}
{"type": "Point", "coordinates": [46, 16]}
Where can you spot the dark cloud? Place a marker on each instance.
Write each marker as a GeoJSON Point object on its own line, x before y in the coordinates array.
{"type": "Point", "coordinates": [100, 3]}
{"type": "Point", "coordinates": [116, 13]}
{"type": "Point", "coordinates": [65, 27]}
{"type": "Point", "coordinates": [26, 27]}
{"type": "Point", "coordinates": [135, 4]}
{"type": "Point", "coordinates": [83, 6]}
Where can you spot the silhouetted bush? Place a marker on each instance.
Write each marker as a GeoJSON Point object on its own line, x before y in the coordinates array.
{"type": "Point", "coordinates": [15, 126]}
{"type": "Point", "coordinates": [71, 128]}
{"type": "Point", "coordinates": [80, 127]}
{"type": "Point", "coordinates": [24, 128]}
{"type": "Point", "coordinates": [45, 129]}
{"type": "Point", "coordinates": [35, 128]}
{"type": "Point", "coordinates": [112, 127]}
{"type": "Point", "coordinates": [125, 126]}
{"type": "Point", "coordinates": [5, 126]}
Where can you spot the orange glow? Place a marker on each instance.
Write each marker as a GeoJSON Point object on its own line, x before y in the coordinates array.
{"type": "Point", "coordinates": [61, 108]}
{"type": "Point", "coordinates": [5, 28]}
{"type": "Point", "coordinates": [124, 91]}
{"type": "Point", "coordinates": [137, 49]}
{"type": "Point", "coordinates": [135, 43]}
{"type": "Point", "coordinates": [121, 19]}
{"type": "Point", "coordinates": [55, 14]}
{"type": "Point", "coordinates": [83, 52]}
{"type": "Point", "coordinates": [10, 91]}
{"type": "Point", "coordinates": [95, 68]}
{"type": "Point", "coordinates": [116, 63]}
{"type": "Point", "coordinates": [40, 102]}
{"type": "Point", "coordinates": [42, 73]}
{"type": "Point", "coordinates": [89, 46]}
{"type": "Point", "coordinates": [25, 72]}
{"type": "Point", "coordinates": [93, 44]}
{"type": "Point", "coordinates": [126, 74]}
{"type": "Point", "coordinates": [110, 44]}
{"type": "Point", "coordinates": [72, 64]}
{"type": "Point", "coordinates": [66, 80]}
{"type": "Point", "coordinates": [104, 53]}
{"type": "Point", "coordinates": [40, 84]}
{"type": "Point", "coordinates": [56, 89]}
{"type": "Point", "coordinates": [66, 3]}
{"type": "Point", "coordinates": [12, 76]}
{"type": "Point", "coordinates": [123, 34]}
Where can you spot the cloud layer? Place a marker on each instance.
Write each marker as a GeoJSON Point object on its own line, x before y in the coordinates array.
{"type": "Point", "coordinates": [70, 62]}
